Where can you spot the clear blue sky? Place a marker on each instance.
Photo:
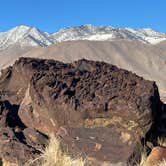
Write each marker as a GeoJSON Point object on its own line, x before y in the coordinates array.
{"type": "Point", "coordinates": [51, 15]}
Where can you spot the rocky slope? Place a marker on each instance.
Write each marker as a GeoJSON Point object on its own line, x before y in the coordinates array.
{"type": "Point", "coordinates": [97, 109]}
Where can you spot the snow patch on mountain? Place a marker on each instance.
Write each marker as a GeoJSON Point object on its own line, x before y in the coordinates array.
{"type": "Point", "coordinates": [30, 36]}
{"type": "Point", "coordinates": [108, 33]}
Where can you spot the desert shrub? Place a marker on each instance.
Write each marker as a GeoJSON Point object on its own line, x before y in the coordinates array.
{"type": "Point", "coordinates": [55, 156]}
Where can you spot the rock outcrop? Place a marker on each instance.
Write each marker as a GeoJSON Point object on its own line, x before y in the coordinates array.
{"type": "Point", "coordinates": [97, 109]}
{"type": "Point", "coordinates": [17, 142]}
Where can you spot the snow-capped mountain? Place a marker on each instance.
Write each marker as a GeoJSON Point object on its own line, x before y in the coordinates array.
{"type": "Point", "coordinates": [30, 36]}
{"type": "Point", "coordinates": [108, 33]}
{"type": "Point", "coordinates": [24, 36]}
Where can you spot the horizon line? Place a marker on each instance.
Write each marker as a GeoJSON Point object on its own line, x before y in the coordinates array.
{"type": "Point", "coordinates": [72, 26]}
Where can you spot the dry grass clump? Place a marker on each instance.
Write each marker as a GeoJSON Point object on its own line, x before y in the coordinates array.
{"type": "Point", "coordinates": [5, 163]}
{"type": "Point", "coordinates": [163, 163]}
{"type": "Point", "coordinates": [143, 159]}
{"type": "Point", "coordinates": [162, 142]}
{"type": "Point", "coordinates": [54, 156]}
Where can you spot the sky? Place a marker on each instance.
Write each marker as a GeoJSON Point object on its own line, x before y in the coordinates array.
{"type": "Point", "coordinates": [51, 15]}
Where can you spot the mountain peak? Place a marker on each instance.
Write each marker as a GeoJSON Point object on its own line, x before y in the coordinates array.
{"type": "Point", "coordinates": [24, 36]}
{"type": "Point", "coordinates": [22, 27]}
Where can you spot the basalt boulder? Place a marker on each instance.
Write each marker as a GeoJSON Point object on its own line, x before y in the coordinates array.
{"type": "Point", "coordinates": [97, 109]}
{"type": "Point", "coordinates": [18, 144]}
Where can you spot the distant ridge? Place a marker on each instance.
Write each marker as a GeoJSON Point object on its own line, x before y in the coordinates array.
{"type": "Point", "coordinates": [31, 36]}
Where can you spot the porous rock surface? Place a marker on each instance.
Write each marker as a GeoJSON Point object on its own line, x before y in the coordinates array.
{"type": "Point", "coordinates": [97, 109]}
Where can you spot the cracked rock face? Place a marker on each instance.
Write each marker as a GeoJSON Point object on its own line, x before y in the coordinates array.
{"type": "Point", "coordinates": [97, 109]}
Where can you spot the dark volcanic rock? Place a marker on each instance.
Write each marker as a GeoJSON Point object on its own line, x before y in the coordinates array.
{"type": "Point", "coordinates": [96, 108]}
{"type": "Point", "coordinates": [12, 150]}
{"type": "Point", "coordinates": [19, 147]}
{"type": "Point", "coordinates": [14, 80]}
{"type": "Point", "coordinates": [18, 144]}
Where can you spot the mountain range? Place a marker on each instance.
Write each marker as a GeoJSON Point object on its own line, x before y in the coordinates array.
{"type": "Point", "coordinates": [31, 36]}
